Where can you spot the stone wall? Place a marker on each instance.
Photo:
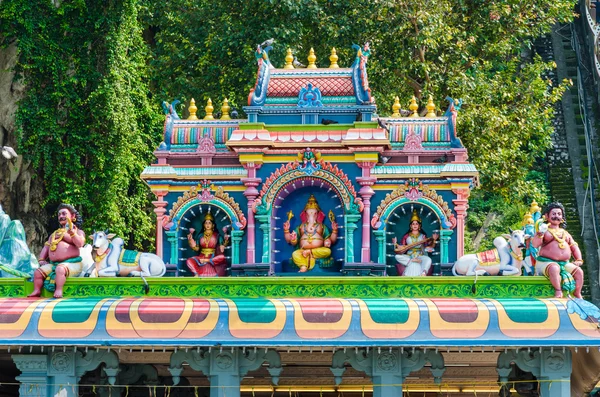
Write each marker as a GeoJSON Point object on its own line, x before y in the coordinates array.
{"type": "Point", "coordinates": [21, 193]}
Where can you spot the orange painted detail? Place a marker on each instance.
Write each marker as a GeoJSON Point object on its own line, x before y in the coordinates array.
{"type": "Point", "coordinates": [457, 318]}
{"type": "Point", "coordinates": [332, 326]}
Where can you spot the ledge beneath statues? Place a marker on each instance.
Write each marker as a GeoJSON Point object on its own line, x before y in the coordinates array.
{"type": "Point", "coordinates": [298, 287]}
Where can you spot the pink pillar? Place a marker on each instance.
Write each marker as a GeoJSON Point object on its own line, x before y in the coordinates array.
{"type": "Point", "coordinates": [461, 204]}
{"type": "Point", "coordinates": [366, 192]}
{"type": "Point", "coordinates": [251, 193]}
{"type": "Point", "coordinates": [159, 210]}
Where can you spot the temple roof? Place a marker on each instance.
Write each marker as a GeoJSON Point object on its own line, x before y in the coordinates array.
{"type": "Point", "coordinates": [281, 322]}
{"type": "Point", "coordinates": [333, 83]}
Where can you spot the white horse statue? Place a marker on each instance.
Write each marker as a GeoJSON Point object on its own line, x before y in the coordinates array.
{"type": "Point", "coordinates": [110, 259]}
{"type": "Point", "coordinates": [506, 259]}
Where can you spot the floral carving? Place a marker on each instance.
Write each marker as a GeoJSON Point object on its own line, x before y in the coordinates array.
{"type": "Point", "coordinates": [206, 196]}
{"type": "Point", "coordinates": [413, 190]}
{"type": "Point", "coordinates": [413, 141]}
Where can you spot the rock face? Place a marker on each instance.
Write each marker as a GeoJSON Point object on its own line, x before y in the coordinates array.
{"type": "Point", "coordinates": [21, 193]}
{"type": "Point", "coordinates": [16, 260]}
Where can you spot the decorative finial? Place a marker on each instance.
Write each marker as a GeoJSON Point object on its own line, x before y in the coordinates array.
{"type": "Point", "coordinates": [225, 110]}
{"type": "Point", "coordinates": [192, 109]}
{"type": "Point", "coordinates": [312, 58]}
{"type": "Point", "coordinates": [396, 107]}
{"type": "Point", "coordinates": [333, 58]}
{"type": "Point", "coordinates": [289, 59]}
{"type": "Point", "coordinates": [209, 110]}
{"type": "Point", "coordinates": [527, 219]}
{"type": "Point", "coordinates": [430, 108]}
{"type": "Point", "coordinates": [413, 107]}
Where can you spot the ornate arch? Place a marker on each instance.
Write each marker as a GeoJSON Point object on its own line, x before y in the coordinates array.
{"type": "Point", "coordinates": [308, 170]}
{"type": "Point", "coordinates": [196, 196]}
{"type": "Point", "coordinates": [414, 191]}
{"type": "Point", "coordinates": [192, 198]}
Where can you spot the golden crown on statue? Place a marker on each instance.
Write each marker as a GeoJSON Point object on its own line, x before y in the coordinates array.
{"type": "Point", "coordinates": [415, 217]}
{"type": "Point", "coordinates": [312, 204]}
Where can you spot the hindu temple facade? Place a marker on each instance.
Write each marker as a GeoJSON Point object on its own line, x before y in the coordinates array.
{"type": "Point", "coordinates": [308, 249]}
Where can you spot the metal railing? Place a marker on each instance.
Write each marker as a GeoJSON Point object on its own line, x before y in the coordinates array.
{"type": "Point", "coordinates": [589, 145]}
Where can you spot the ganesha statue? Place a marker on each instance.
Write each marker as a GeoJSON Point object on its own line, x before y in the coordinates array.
{"type": "Point", "coordinates": [312, 238]}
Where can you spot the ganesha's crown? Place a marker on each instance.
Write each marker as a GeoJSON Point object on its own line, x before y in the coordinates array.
{"type": "Point", "coordinates": [312, 204]}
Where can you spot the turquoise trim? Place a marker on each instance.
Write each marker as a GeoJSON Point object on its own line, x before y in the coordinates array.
{"type": "Point", "coordinates": [346, 100]}
{"type": "Point", "coordinates": [351, 224]}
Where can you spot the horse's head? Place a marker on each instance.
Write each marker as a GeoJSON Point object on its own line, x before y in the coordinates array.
{"type": "Point", "coordinates": [101, 239]}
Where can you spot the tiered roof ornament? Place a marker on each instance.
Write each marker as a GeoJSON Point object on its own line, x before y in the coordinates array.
{"type": "Point", "coordinates": [310, 94]}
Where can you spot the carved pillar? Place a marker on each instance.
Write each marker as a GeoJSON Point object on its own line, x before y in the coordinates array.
{"type": "Point", "coordinates": [160, 210]}
{"type": "Point", "coordinates": [445, 236]}
{"type": "Point", "coordinates": [251, 193]}
{"type": "Point", "coordinates": [351, 221]}
{"type": "Point", "coordinates": [461, 205]}
{"type": "Point", "coordinates": [172, 238]}
{"type": "Point", "coordinates": [34, 374]}
{"type": "Point", "coordinates": [46, 375]}
{"type": "Point", "coordinates": [366, 192]}
{"type": "Point", "coordinates": [551, 367]}
{"type": "Point", "coordinates": [265, 227]}
{"type": "Point", "coordinates": [225, 367]}
{"type": "Point", "coordinates": [387, 368]}
{"type": "Point", "coordinates": [236, 242]}
{"type": "Point", "coordinates": [380, 238]}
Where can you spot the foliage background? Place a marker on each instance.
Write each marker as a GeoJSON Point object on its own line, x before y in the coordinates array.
{"type": "Point", "coordinates": [96, 72]}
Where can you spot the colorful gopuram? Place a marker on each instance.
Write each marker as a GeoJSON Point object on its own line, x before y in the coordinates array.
{"type": "Point", "coordinates": [308, 249]}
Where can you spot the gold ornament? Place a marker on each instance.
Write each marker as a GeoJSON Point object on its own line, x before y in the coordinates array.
{"type": "Point", "coordinates": [430, 108]}
{"type": "Point", "coordinates": [57, 237]}
{"type": "Point", "coordinates": [312, 204]}
{"type": "Point", "coordinates": [209, 110]}
{"type": "Point", "coordinates": [192, 109]}
{"type": "Point", "coordinates": [414, 107]}
{"type": "Point", "coordinates": [333, 58]}
{"type": "Point", "coordinates": [289, 59]}
{"type": "Point", "coordinates": [312, 58]}
{"type": "Point", "coordinates": [225, 110]}
{"type": "Point", "coordinates": [562, 244]}
{"type": "Point", "coordinates": [415, 217]}
{"type": "Point", "coordinates": [396, 107]}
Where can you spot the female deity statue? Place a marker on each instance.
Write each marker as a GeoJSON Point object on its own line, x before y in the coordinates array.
{"type": "Point", "coordinates": [315, 238]}
{"type": "Point", "coordinates": [413, 248]}
{"type": "Point", "coordinates": [210, 261]}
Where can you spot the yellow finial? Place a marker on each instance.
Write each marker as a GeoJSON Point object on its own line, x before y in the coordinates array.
{"type": "Point", "coordinates": [209, 110]}
{"type": "Point", "coordinates": [430, 108]}
{"type": "Point", "coordinates": [192, 109]}
{"type": "Point", "coordinates": [396, 107]}
{"type": "Point", "coordinates": [312, 204]}
{"type": "Point", "coordinates": [225, 110]}
{"type": "Point", "coordinates": [333, 58]}
{"type": "Point", "coordinates": [415, 217]}
{"type": "Point", "coordinates": [289, 59]}
{"type": "Point", "coordinates": [414, 107]}
{"type": "Point", "coordinates": [312, 58]}
{"type": "Point", "coordinates": [534, 207]}
{"type": "Point", "coordinates": [527, 219]}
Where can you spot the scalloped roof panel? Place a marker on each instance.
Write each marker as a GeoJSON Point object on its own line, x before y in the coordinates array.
{"type": "Point", "coordinates": [306, 322]}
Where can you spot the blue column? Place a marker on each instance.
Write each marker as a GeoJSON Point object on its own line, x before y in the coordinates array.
{"type": "Point", "coordinates": [34, 374]}
{"type": "Point", "coordinates": [552, 367]}
{"type": "Point", "coordinates": [47, 374]}
{"type": "Point", "coordinates": [388, 368]}
{"type": "Point", "coordinates": [225, 367]}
